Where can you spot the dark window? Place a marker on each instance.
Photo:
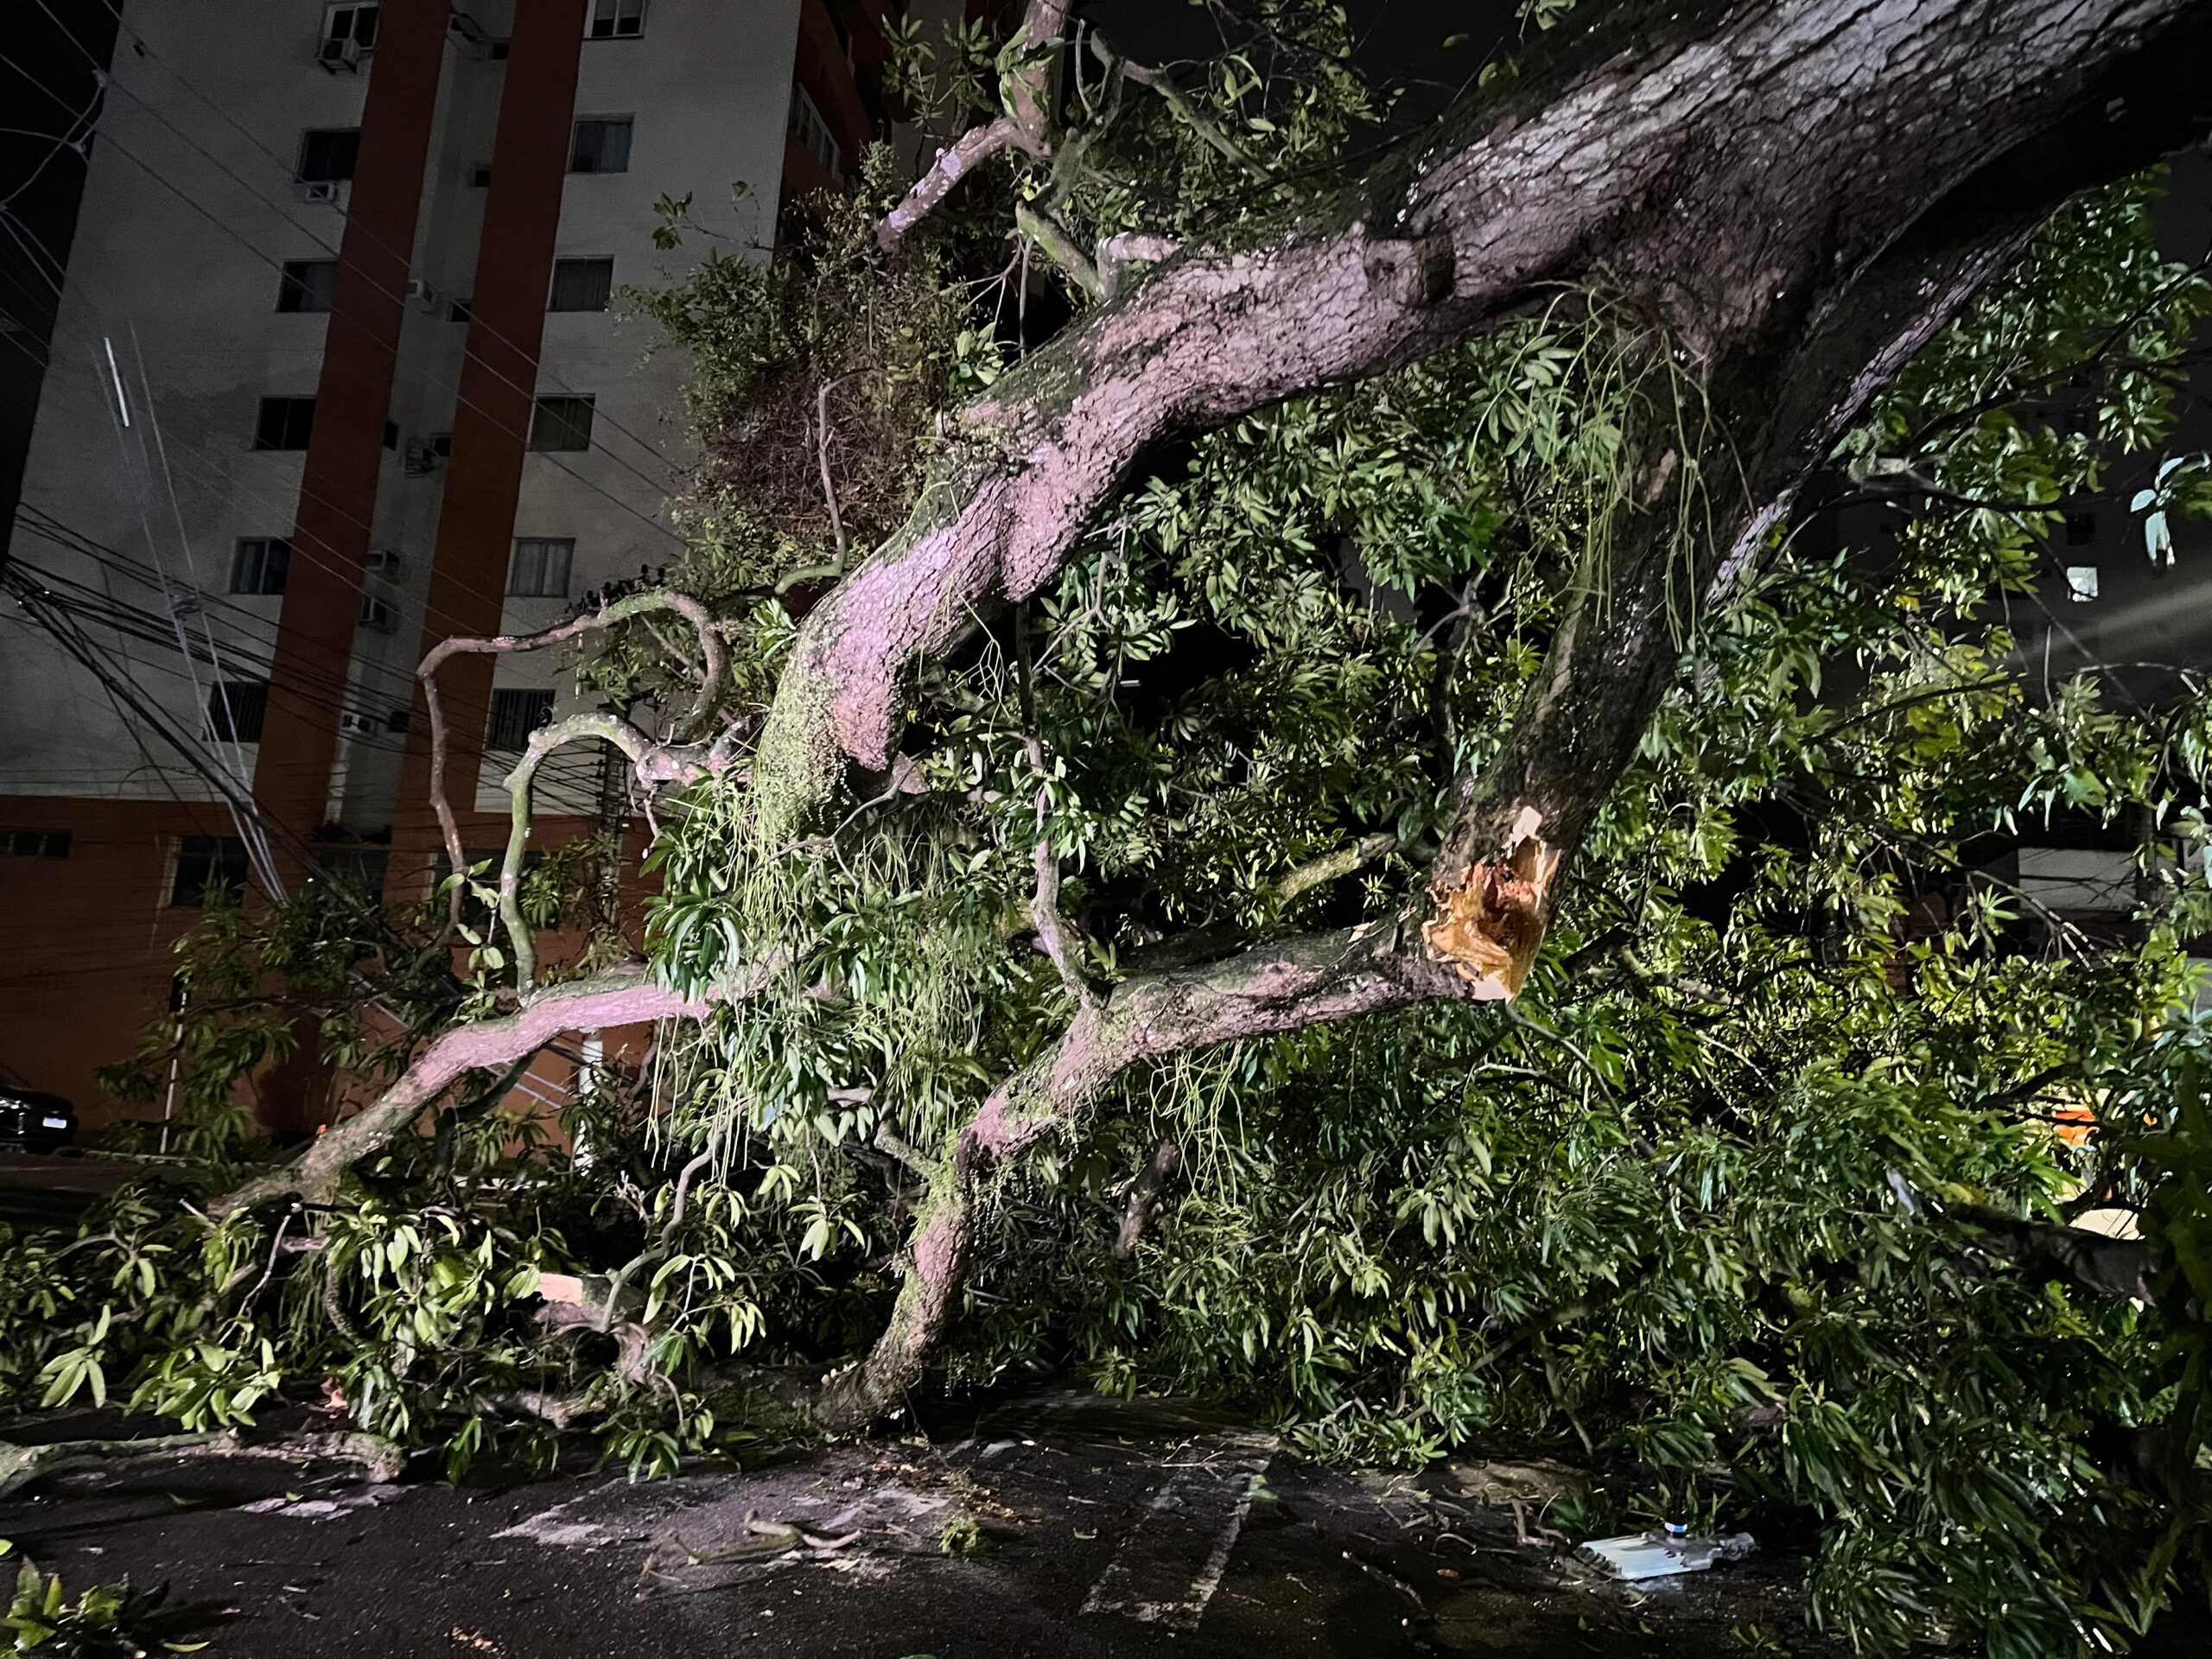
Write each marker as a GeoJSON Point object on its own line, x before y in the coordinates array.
{"type": "Point", "coordinates": [458, 311]}
{"type": "Point", "coordinates": [560, 423]}
{"type": "Point", "coordinates": [354, 25]}
{"type": "Point", "coordinates": [285, 424]}
{"type": "Point", "coordinates": [441, 444]}
{"type": "Point", "coordinates": [376, 615]}
{"type": "Point", "coordinates": [260, 564]}
{"type": "Point", "coordinates": [2081, 528]}
{"type": "Point", "coordinates": [813, 132]}
{"type": "Point", "coordinates": [540, 570]}
{"type": "Point", "coordinates": [35, 844]}
{"type": "Point", "coordinates": [391, 435]}
{"type": "Point", "coordinates": [614, 20]}
{"type": "Point", "coordinates": [208, 866]}
{"type": "Point", "coordinates": [515, 715]}
{"type": "Point", "coordinates": [306, 285]}
{"type": "Point", "coordinates": [235, 709]}
{"type": "Point", "coordinates": [480, 175]}
{"type": "Point", "coordinates": [327, 154]}
{"type": "Point", "coordinates": [399, 720]}
{"type": "Point", "coordinates": [361, 868]}
{"type": "Point", "coordinates": [601, 145]}
{"type": "Point", "coordinates": [581, 284]}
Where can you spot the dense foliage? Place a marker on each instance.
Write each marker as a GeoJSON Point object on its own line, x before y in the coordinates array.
{"type": "Point", "coordinates": [1737, 1201]}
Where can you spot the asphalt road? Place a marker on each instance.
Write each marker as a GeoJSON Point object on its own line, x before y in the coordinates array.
{"type": "Point", "coordinates": [1102, 1529]}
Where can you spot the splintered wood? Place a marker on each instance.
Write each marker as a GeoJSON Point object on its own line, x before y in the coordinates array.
{"type": "Point", "coordinates": [1491, 924]}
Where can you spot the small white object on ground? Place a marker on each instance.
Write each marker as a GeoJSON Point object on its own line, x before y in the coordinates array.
{"type": "Point", "coordinates": [1663, 1552]}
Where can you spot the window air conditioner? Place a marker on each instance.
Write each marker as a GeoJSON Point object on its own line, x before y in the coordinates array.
{"type": "Point", "coordinates": [421, 294]}
{"type": "Point", "coordinates": [377, 617]}
{"type": "Point", "coordinates": [341, 57]}
{"type": "Point", "coordinates": [324, 190]}
{"type": "Point", "coordinates": [382, 563]}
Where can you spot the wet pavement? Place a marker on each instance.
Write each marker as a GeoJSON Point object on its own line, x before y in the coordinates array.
{"type": "Point", "coordinates": [1094, 1528]}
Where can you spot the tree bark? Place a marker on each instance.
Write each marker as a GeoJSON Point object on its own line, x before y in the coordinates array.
{"type": "Point", "coordinates": [1732, 176]}
{"type": "Point", "coordinates": [624, 995]}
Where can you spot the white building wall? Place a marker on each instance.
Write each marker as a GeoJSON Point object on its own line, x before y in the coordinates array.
{"type": "Point", "coordinates": [707, 85]}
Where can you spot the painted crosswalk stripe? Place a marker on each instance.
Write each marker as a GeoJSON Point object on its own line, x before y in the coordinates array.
{"type": "Point", "coordinates": [1170, 1564]}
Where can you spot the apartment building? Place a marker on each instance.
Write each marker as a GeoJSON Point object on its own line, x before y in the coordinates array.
{"type": "Point", "coordinates": [340, 369]}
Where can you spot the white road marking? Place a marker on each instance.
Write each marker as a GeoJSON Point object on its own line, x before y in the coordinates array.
{"type": "Point", "coordinates": [1202, 1505]}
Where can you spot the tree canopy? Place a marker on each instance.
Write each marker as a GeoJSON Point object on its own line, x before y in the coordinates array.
{"type": "Point", "coordinates": [1269, 776]}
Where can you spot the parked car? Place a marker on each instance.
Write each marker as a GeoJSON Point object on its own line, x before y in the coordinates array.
{"type": "Point", "coordinates": [41, 1121]}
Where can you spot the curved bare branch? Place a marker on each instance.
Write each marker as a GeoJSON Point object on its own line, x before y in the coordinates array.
{"type": "Point", "coordinates": [624, 995]}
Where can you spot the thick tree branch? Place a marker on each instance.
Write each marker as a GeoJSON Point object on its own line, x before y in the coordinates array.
{"type": "Point", "coordinates": [1677, 175]}
{"type": "Point", "coordinates": [617, 996]}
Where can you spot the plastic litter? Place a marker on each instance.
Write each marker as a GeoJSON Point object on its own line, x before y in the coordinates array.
{"type": "Point", "coordinates": [1663, 1552]}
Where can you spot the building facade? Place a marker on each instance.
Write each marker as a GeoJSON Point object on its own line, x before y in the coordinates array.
{"type": "Point", "coordinates": [340, 369]}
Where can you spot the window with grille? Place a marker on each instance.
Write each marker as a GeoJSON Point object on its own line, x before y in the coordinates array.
{"type": "Point", "coordinates": [235, 709]}
{"type": "Point", "coordinates": [207, 867]}
{"type": "Point", "coordinates": [35, 843]}
{"type": "Point", "coordinates": [540, 570]}
{"type": "Point", "coordinates": [327, 154]}
{"type": "Point", "coordinates": [307, 285]}
{"type": "Point", "coordinates": [614, 20]}
{"type": "Point", "coordinates": [560, 423]}
{"type": "Point", "coordinates": [602, 144]}
{"type": "Point", "coordinates": [259, 565]}
{"type": "Point", "coordinates": [284, 423]}
{"type": "Point", "coordinates": [813, 132]}
{"type": "Point", "coordinates": [515, 715]}
{"type": "Point", "coordinates": [581, 284]}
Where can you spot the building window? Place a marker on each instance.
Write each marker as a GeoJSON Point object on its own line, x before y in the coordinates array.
{"type": "Point", "coordinates": [377, 615]}
{"type": "Point", "coordinates": [540, 570]}
{"type": "Point", "coordinates": [348, 32]}
{"type": "Point", "coordinates": [813, 132]}
{"type": "Point", "coordinates": [581, 284]}
{"type": "Point", "coordinates": [601, 145]}
{"type": "Point", "coordinates": [562, 423]}
{"type": "Point", "coordinates": [306, 285]}
{"type": "Point", "coordinates": [285, 424]}
{"type": "Point", "coordinates": [327, 154]}
{"type": "Point", "coordinates": [207, 867]}
{"type": "Point", "coordinates": [480, 175]}
{"type": "Point", "coordinates": [459, 311]}
{"type": "Point", "coordinates": [235, 709]}
{"type": "Point", "coordinates": [391, 435]}
{"type": "Point", "coordinates": [515, 715]}
{"type": "Point", "coordinates": [614, 20]}
{"type": "Point", "coordinates": [2081, 528]}
{"type": "Point", "coordinates": [260, 564]}
{"type": "Point", "coordinates": [35, 843]}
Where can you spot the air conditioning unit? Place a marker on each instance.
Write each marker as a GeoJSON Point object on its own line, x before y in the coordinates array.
{"type": "Point", "coordinates": [360, 725]}
{"type": "Point", "coordinates": [323, 190]}
{"type": "Point", "coordinates": [420, 293]}
{"type": "Point", "coordinates": [377, 616]}
{"type": "Point", "coordinates": [382, 563]}
{"type": "Point", "coordinates": [420, 463]}
{"type": "Point", "coordinates": [341, 57]}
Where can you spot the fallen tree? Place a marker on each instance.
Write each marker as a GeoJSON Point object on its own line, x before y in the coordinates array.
{"type": "Point", "coordinates": [1362, 641]}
